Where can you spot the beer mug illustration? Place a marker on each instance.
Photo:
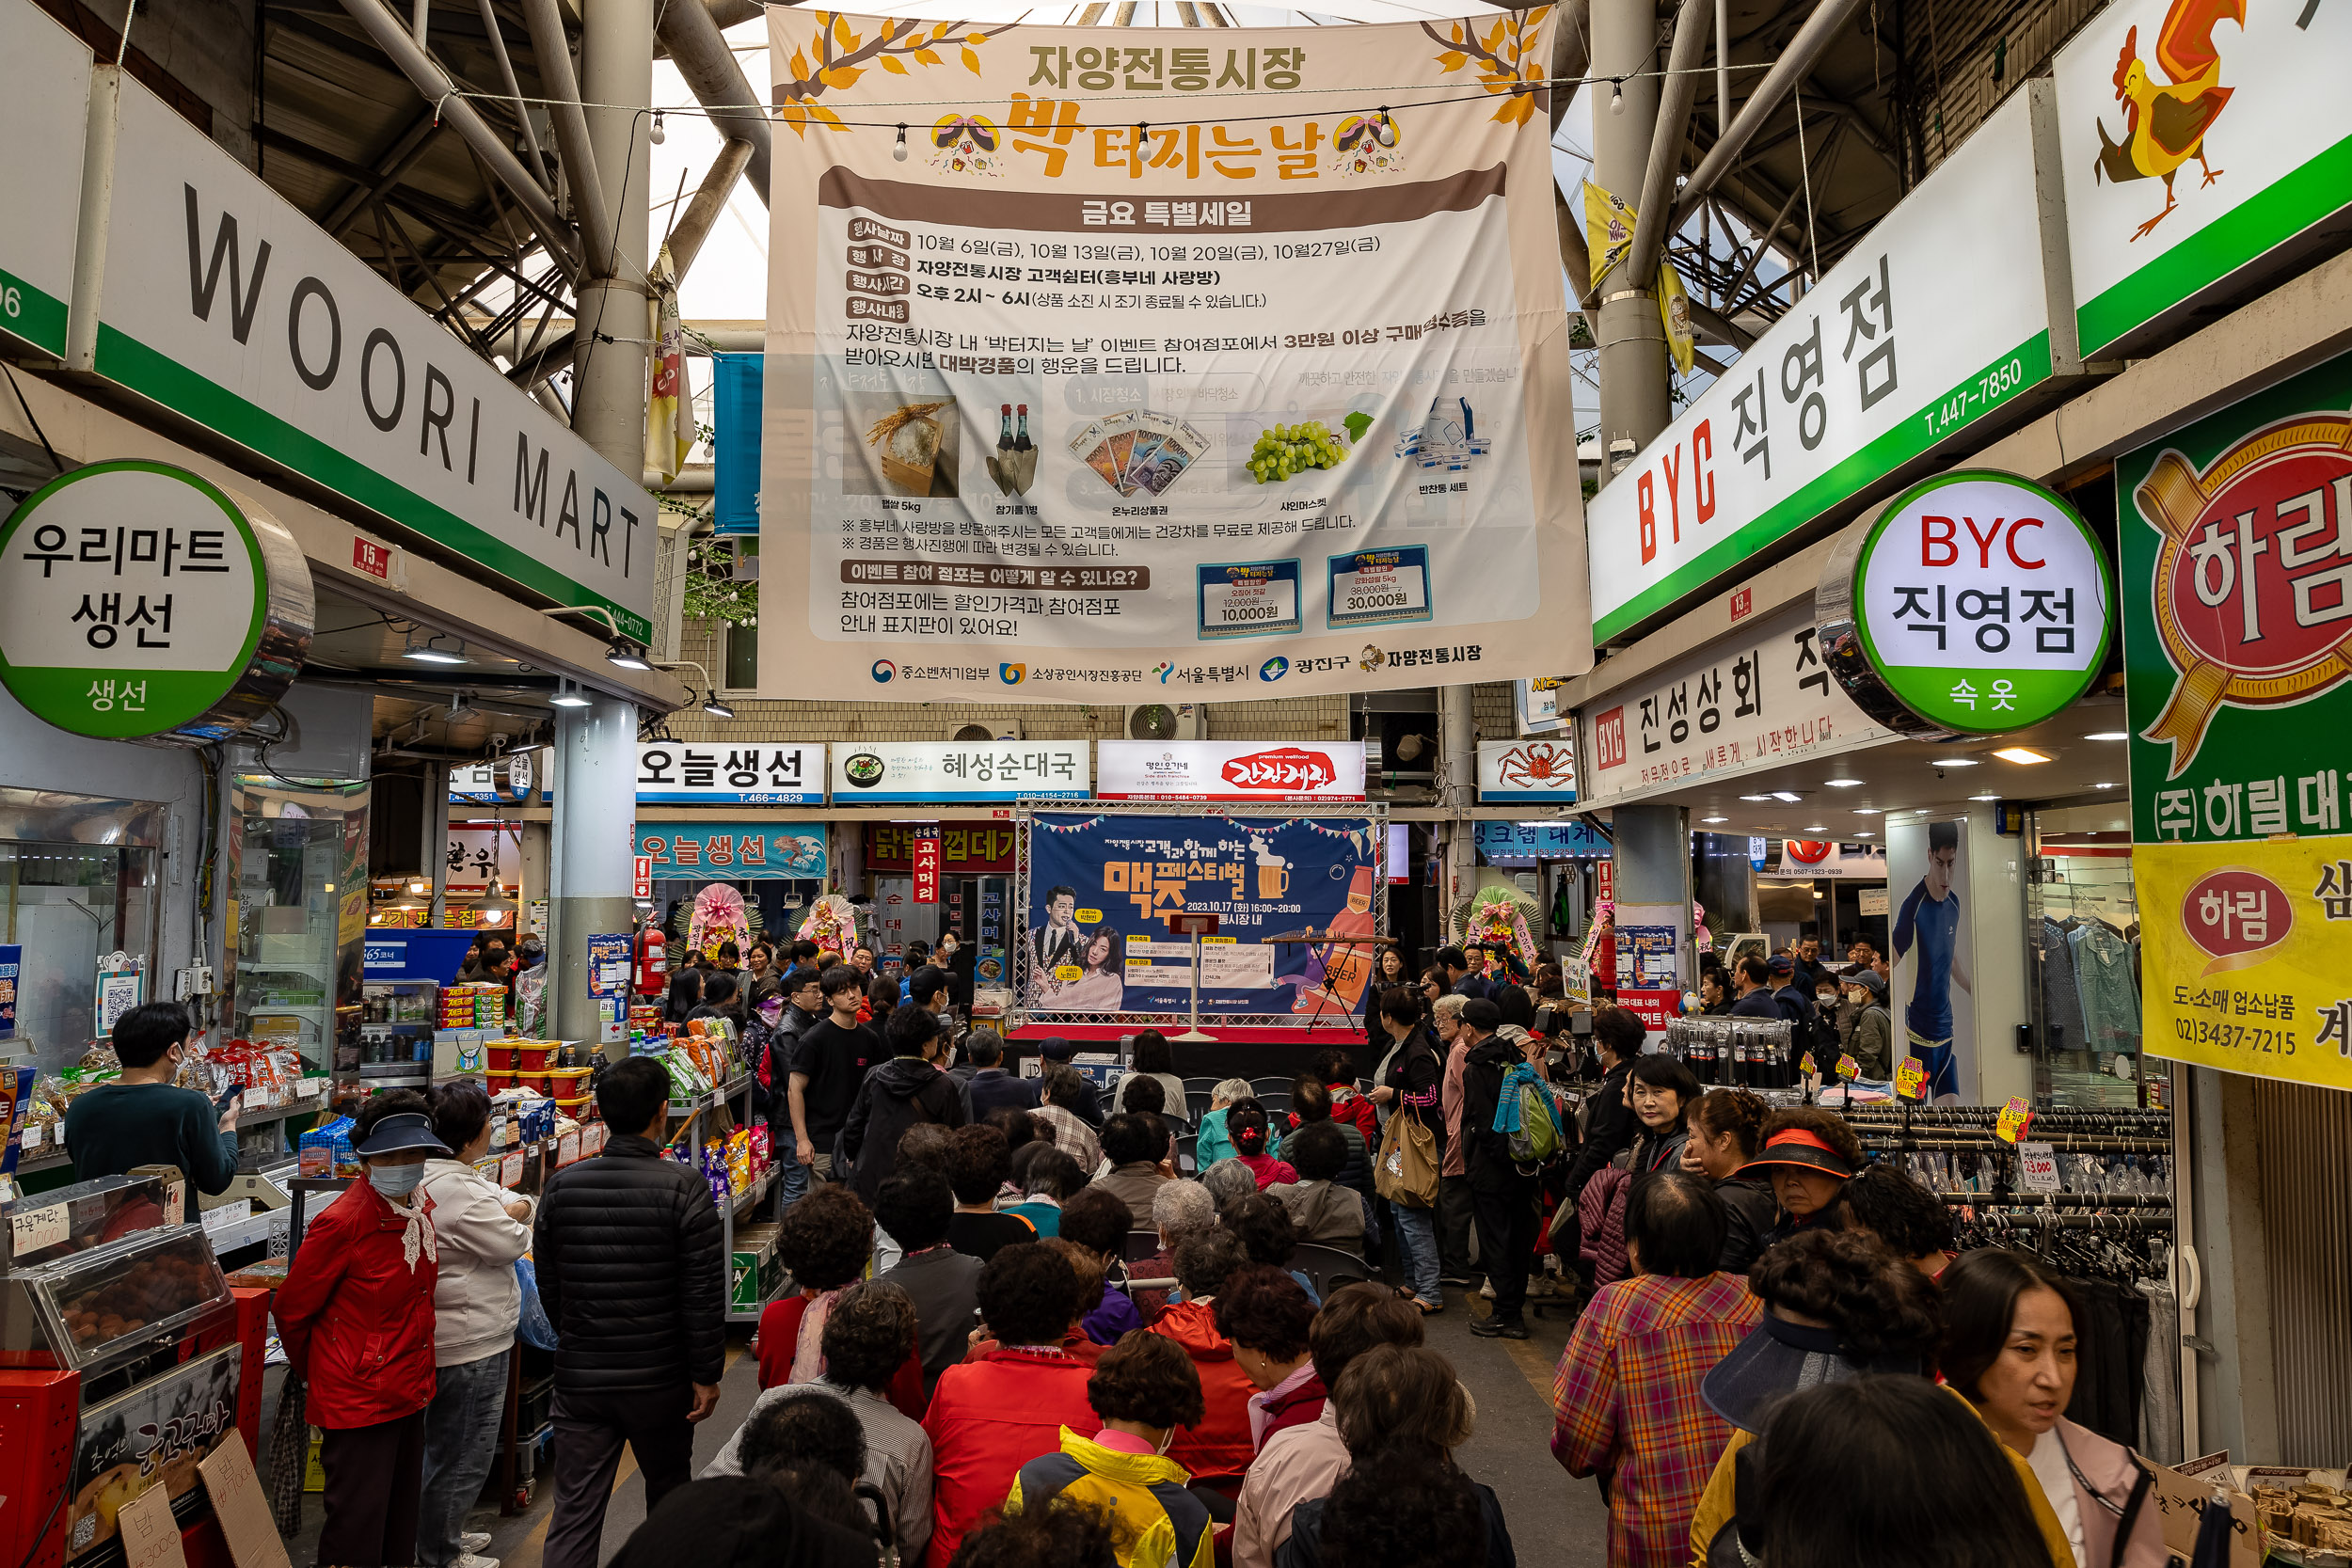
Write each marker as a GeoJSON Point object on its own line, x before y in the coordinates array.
{"type": "Point", "coordinates": [1273, 875]}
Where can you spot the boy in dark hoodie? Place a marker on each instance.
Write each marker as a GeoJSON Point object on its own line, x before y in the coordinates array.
{"type": "Point", "coordinates": [900, 1093]}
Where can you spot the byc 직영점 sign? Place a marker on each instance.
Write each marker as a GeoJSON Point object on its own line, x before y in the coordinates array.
{"type": "Point", "coordinates": [1976, 604]}
{"type": "Point", "coordinates": [140, 602]}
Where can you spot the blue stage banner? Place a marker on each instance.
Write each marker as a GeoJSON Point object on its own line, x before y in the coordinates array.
{"type": "Point", "coordinates": [736, 384]}
{"type": "Point", "coordinates": [1102, 886]}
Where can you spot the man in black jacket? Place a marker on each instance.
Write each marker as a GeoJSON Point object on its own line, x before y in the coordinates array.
{"type": "Point", "coordinates": [629, 1269]}
{"type": "Point", "coordinates": [1502, 1195]}
{"type": "Point", "coordinates": [803, 1006]}
{"type": "Point", "coordinates": [1609, 1121]}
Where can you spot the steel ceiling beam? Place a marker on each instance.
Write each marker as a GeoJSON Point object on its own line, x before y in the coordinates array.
{"type": "Point", "coordinates": [711, 72]}
{"type": "Point", "coordinates": [1677, 95]}
{"type": "Point", "coordinates": [1795, 63]}
{"type": "Point", "coordinates": [551, 47]}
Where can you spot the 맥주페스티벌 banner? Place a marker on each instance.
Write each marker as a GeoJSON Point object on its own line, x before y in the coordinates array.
{"type": "Point", "coordinates": [1142, 366]}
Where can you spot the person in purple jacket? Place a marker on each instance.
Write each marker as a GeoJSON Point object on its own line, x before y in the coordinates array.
{"type": "Point", "coordinates": [1099, 1221]}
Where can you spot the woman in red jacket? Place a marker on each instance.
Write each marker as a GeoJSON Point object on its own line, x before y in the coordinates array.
{"type": "Point", "coordinates": [356, 1317]}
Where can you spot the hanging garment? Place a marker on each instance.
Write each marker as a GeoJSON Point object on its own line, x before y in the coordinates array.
{"type": "Point", "coordinates": [2061, 1003]}
{"type": "Point", "coordinates": [2111, 999]}
{"type": "Point", "coordinates": [2160, 1376]}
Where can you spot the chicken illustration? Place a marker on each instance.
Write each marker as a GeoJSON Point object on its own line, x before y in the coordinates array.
{"type": "Point", "coordinates": [2164, 125]}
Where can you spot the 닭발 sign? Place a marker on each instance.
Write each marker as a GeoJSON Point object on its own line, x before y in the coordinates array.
{"type": "Point", "coordinates": [1977, 604]}
{"type": "Point", "coordinates": [140, 602]}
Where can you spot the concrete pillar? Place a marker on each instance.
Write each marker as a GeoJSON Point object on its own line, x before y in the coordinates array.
{"type": "Point", "coordinates": [1997, 885]}
{"type": "Point", "coordinates": [609, 400]}
{"type": "Point", "coordinates": [596, 808]}
{"type": "Point", "coordinates": [1653, 885]}
{"type": "Point", "coordinates": [1634, 389]}
{"type": "Point", "coordinates": [436, 846]}
{"type": "Point", "coordinates": [1458, 765]}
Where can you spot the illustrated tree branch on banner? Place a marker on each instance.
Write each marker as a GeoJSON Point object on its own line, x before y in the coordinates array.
{"type": "Point", "coordinates": [1504, 62]}
{"type": "Point", "coordinates": [841, 56]}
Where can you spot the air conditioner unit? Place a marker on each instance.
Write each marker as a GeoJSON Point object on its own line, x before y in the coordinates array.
{"type": "Point", "coordinates": [1166, 722]}
{"type": "Point", "coordinates": [995, 729]}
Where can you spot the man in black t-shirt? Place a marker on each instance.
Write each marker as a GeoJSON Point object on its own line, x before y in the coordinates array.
{"type": "Point", "coordinates": [829, 1062]}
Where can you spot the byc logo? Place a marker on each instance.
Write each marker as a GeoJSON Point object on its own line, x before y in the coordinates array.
{"type": "Point", "coordinates": [884, 671]}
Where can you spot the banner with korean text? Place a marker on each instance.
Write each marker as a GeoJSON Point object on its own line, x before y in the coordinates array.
{"type": "Point", "coordinates": [1139, 365]}
{"type": "Point", "coordinates": [2235, 542]}
{"type": "Point", "coordinates": [1101, 888]}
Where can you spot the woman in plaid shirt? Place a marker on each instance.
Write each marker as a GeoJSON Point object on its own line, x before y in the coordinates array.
{"type": "Point", "coordinates": [1626, 1399]}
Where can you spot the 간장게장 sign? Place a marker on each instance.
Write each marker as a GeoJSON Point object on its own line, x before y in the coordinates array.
{"type": "Point", "coordinates": [1976, 604]}
{"type": "Point", "coordinates": [233, 309]}
{"type": "Point", "coordinates": [1095, 385]}
{"type": "Point", "coordinates": [140, 602]}
{"type": "Point", "coordinates": [1942, 316]}
{"type": "Point", "coordinates": [2204, 143]}
{"type": "Point", "coordinates": [1226, 771]}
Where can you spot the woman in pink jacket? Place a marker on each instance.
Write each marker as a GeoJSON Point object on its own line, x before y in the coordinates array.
{"type": "Point", "coordinates": [2012, 1332]}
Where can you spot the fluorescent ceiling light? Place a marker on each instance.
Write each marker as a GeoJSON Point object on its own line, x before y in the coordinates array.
{"type": "Point", "coordinates": [1714, 819]}
{"type": "Point", "coordinates": [1953, 762]}
{"type": "Point", "coordinates": [2109, 735]}
{"type": "Point", "coordinates": [1819, 827]}
{"type": "Point", "coordinates": [426, 652]}
{"type": "Point", "coordinates": [1984, 796]}
{"type": "Point", "coordinates": [716, 709]}
{"type": "Point", "coordinates": [1866, 811]}
{"type": "Point", "coordinates": [568, 696]}
{"type": "Point", "coordinates": [1842, 784]}
{"type": "Point", "coordinates": [2104, 785]}
{"type": "Point", "coordinates": [1791, 795]}
{"type": "Point", "coordinates": [2022, 754]}
{"type": "Point", "coordinates": [1863, 832]}
{"type": "Point", "coordinates": [1756, 797]}
{"type": "Point", "coordinates": [627, 656]}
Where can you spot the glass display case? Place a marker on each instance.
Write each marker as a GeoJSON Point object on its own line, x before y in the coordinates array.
{"type": "Point", "coordinates": [300, 911]}
{"type": "Point", "coordinates": [53, 1225]}
{"type": "Point", "coordinates": [77, 881]}
{"type": "Point", "coordinates": [119, 1300]}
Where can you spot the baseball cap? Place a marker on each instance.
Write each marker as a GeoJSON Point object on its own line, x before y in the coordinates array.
{"type": "Point", "coordinates": [1780, 963]}
{"type": "Point", "coordinates": [1803, 1147]}
{"type": "Point", "coordinates": [1869, 980]}
{"type": "Point", "coordinates": [1053, 1048]}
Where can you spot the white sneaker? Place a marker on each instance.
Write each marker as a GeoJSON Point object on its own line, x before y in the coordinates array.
{"type": "Point", "coordinates": [470, 1560]}
{"type": "Point", "coordinates": [1488, 1289]}
{"type": "Point", "coordinates": [473, 1541]}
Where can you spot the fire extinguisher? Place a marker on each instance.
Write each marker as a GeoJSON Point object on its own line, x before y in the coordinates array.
{"type": "Point", "coordinates": [653, 960]}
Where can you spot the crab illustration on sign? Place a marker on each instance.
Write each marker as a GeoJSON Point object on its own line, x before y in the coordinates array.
{"type": "Point", "coordinates": [1539, 764]}
{"type": "Point", "coordinates": [2253, 579]}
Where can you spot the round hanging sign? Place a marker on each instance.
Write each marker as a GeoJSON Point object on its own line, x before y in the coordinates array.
{"type": "Point", "coordinates": [1976, 605]}
{"type": "Point", "coordinates": [140, 602]}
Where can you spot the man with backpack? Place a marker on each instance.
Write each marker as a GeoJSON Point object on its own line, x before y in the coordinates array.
{"type": "Point", "coordinates": [1503, 1189]}
{"type": "Point", "coordinates": [1873, 1043]}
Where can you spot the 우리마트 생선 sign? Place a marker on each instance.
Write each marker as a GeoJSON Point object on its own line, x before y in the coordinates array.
{"type": "Point", "coordinates": [1976, 604]}
{"type": "Point", "coordinates": [139, 602]}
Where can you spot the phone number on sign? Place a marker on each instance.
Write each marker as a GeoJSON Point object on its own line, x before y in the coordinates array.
{"type": "Point", "coordinates": [2233, 1036]}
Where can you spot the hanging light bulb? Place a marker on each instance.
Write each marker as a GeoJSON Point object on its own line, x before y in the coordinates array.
{"type": "Point", "coordinates": [1387, 129]}
{"type": "Point", "coordinates": [900, 152]}
{"type": "Point", "coordinates": [1616, 96]}
{"type": "Point", "coordinates": [657, 136]}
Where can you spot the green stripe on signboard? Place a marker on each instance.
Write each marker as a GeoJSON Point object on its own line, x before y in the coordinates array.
{"type": "Point", "coordinates": [2269, 218]}
{"type": "Point", "coordinates": [32, 314]}
{"type": "Point", "coordinates": [1934, 423]}
{"type": "Point", "coordinates": [129, 363]}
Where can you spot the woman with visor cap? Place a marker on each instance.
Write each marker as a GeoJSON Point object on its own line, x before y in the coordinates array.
{"type": "Point", "coordinates": [356, 1317]}
{"type": "Point", "coordinates": [1808, 1155]}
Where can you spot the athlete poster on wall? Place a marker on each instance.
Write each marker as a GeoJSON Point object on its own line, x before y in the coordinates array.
{"type": "Point", "coordinates": [1101, 888]}
{"type": "Point", "coordinates": [1147, 365]}
{"type": "Point", "coordinates": [1933, 994]}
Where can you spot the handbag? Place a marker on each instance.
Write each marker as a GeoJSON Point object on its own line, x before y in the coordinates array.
{"type": "Point", "coordinates": [1406, 1171]}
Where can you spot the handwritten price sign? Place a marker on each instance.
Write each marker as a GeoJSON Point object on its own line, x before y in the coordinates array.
{"type": "Point", "coordinates": [1911, 1080]}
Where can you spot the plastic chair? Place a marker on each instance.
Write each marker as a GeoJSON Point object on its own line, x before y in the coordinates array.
{"type": "Point", "coordinates": [1197, 1101]}
{"type": "Point", "coordinates": [1141, 1245]}
{"type": "Point", "coordinates": [1329, 1267]}
{"type": "Point", "coordinates": [1276, 1107]}
{"type": "Point", "coordinates": [1200, 1086]}
{"type": "Point", "coordinates": [1177, 1126]}
{"type": "Point", "coordinates": [1264, 1087]}
{"type": "Point", "coordinates": [1186, 1163]}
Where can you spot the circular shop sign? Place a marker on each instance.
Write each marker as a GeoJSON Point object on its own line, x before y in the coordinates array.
{"type": "Point", "coordinates": [139, 602]}
{"type": "Point", "coordinates": [1976, 605]}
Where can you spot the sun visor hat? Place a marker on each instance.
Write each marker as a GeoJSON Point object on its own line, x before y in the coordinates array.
{"type": "Point", "coordinates": [1777, 1359]}
{"type": "Point", "coordinates": [396, 1133]}
{"type": "Point", "coordinates": [1807, 1151]}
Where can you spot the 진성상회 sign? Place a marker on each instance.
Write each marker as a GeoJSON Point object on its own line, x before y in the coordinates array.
{"type": "Point", "coordinates": [1126, 369]}
{"type": "Point", "coordinates": [1976, 604]}
{"type": "Point", "coordinates": [140, 601]}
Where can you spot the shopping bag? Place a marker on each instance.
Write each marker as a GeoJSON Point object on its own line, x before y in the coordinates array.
{"type": "Point", "coordinates": [1406, 1171]}
{"type": "Point", "coordinates": [289, 1453]}
{"type": "Point", "coordinates": [536, 1330]}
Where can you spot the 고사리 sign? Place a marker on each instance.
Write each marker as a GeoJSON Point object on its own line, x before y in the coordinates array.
{"type": "Point", "coordinates": [1976, 604]}
{"type": "Point", "coordinates": [140, 601]}
{"type": "Point", "coordinates": [1167, 368]}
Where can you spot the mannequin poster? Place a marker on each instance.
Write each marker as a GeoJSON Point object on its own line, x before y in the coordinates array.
{"type": "Point", "coordinates": [1933, 995]}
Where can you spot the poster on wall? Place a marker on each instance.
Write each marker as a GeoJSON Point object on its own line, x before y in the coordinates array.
{"type": "Point", "coordinates": [152, 1436]}
{"type": "Point", "coordinates": [1247, 381]}
{"type": "Point", "coordinates": [1101, 888]}
{"type": "Point", "coordinates": [1932, 995]}
{"type": "Point", "coordinates": [2235, 683]}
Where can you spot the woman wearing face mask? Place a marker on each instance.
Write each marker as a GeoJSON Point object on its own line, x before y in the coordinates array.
{"type": "Point", "coordinates": [356, 1317]}
{"type": "Point", "coordinates": [2009, 1346]}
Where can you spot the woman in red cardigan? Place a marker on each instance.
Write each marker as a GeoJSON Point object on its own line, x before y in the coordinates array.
{"type": "Point", "coordinates": [356, 1317]}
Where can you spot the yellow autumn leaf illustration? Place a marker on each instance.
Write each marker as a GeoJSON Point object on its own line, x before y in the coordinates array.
{"type": "Point", "coordinates": [976, 38]}
{"type": "Point", "coordinates": [841, 34]}
{"type": "Point", "coordinates": [1494, 38]}
{"type": "Point", "coordinates": [926, 56]}
{"type": "Point", "coordinates": [1457, 32]}
{"type": "Point", "coordinates": [1453, 59]}
{"type": "Point", "coordinates": [891, 64]}
{"type": "Point", "coordinates": [971, 62]}
{"type": "Point", "coordinates": [842, 76]}
{"type": "Point", "coordinates": [942, 31]}
{"type": "Point", "coordinates": [819, 112]}
{"type": "Point", "coordinates": [800, 66]}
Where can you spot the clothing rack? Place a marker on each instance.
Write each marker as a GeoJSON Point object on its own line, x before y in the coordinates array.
{"type": "Point", "coordinates": [2070, 1117]}
{"type": "Point", "coordinates": [2054, 1200]}
{"type": "Point", "coordinates": [1948, 1143]}
{"type": "Point", "coordinates": [2126, 1225]}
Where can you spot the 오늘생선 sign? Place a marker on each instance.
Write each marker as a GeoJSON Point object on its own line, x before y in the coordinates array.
{"type": "Point", "coordinates": [1975, 604]}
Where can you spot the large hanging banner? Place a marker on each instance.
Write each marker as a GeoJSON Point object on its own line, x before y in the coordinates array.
{"type": "Point", "coordinates": [1124, 363]}
{"type": "Point", "coordinates": [1101, 888]}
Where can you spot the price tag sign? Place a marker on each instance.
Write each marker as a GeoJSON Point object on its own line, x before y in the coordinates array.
{"type": "Point", "coordinates": [176, 1203]}
{"type": "Point", "coordinates": [1848, 1068]}
{"type": "Point", "coordinates": [1804, 1063]}
{"type": "Point", "coordinates": [2036, 1167]}
{"type": "Point", "coordinates": [2015, 1117]}
{"type": "Point", "coordinates": [1911, 1080]}
{"type": "Point", "coordinates": [510, 1169]}
{"type": "Point", "coordinates": [37, 1228]}
{"type": "Point", "coordinates": [568, 1149]}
